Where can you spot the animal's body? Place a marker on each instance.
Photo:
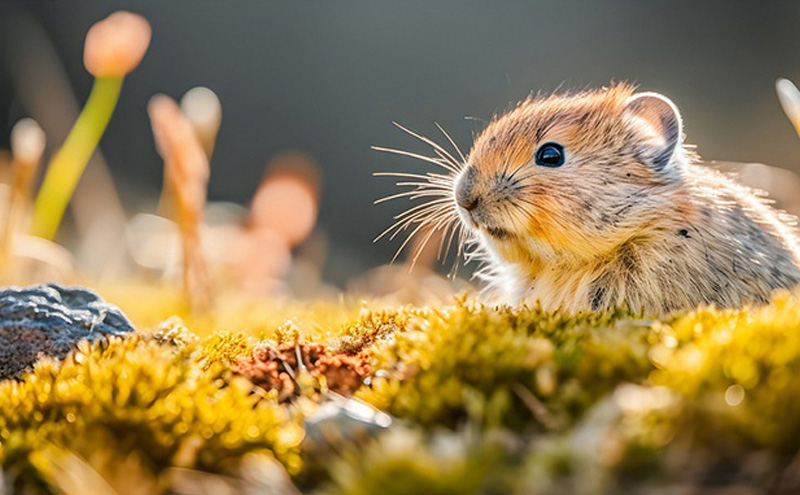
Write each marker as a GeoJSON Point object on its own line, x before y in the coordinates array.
{"type": "Point", "coordinates": [624, 217]}
{"type": "Point", "coordinates": [723, 247]}
{"type": "Point", "coordinates": [591, 202]}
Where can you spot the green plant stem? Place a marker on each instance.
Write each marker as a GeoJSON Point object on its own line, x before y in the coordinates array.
{"type": "Point", "coordinates": [68, 164]}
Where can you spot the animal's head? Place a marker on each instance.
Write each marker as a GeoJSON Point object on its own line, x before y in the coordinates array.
{"type": "Point", "coordinates": [572, 175]}
{"type": "Point", "coordinates": [564, 175]}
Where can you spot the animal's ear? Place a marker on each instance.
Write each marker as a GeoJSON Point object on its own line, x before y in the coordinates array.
{"type": "Point", "coordinates": [657, 125]}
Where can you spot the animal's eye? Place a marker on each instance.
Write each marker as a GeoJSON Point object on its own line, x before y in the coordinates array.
{"type": "Point", "coordinates": [550, 155]}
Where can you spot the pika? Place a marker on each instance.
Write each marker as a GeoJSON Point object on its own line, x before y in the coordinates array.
{"type": "Point", "coordinates": [592, 201]}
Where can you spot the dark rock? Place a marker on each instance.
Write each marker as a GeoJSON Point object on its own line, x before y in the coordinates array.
{"type": "Point", "coordinates": [50, 320]}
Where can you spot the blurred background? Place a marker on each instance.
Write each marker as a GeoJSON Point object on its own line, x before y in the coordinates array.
{"type": "Point", "coordinates": [323, 81]}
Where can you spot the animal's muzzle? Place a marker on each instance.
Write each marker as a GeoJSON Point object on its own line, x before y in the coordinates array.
{"type": "Point", "coordinates": [465, 190]}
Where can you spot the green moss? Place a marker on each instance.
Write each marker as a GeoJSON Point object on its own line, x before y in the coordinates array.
{"type": "Point", "coordinates": [405, 462]}
{"type": "Point", "coordinates": [154, 401]}
{"type": "Point", "coordinates": [373, 327]}
{"type": "Point", "coordinates": [738, 371]}
{"type": "Point", "coordinates": [506, 367]}
{"type": "Point", "coordinates": [224, 348]}
{"type": "Point", "coordinates": [490, 399]}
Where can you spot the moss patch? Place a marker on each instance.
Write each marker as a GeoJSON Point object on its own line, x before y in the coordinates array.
{"type": "Point", "coordinates": [484, 400]}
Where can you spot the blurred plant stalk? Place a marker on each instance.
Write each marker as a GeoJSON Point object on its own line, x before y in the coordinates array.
{"type": "Point", "coordinates": [114, 47]}
{"type": "Point", "coordinates": [27, 147]}
{"type": "Point", "coordinates": [203, 110]}
{"type": "Point", "coordinates": [186, 176]}
{"type": "Point", "coordinates": [67, 166]}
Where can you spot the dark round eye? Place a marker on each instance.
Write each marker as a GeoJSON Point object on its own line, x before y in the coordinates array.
{"type": "Point", "coordinates": [550, 155]}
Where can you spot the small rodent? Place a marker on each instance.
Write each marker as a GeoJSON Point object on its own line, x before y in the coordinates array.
{"type": "Point", "coordinates": [591, 201]}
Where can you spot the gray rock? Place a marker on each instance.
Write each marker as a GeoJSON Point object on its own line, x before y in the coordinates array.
{"type": "Point", "coordinates": [50, 320]}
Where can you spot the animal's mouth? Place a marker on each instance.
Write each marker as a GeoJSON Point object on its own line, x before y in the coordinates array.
{"type": "Point", "coordinates": [469, 218]}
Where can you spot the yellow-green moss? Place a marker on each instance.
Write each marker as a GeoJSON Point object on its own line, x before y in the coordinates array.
{"type": "Point", "coordinates": [738, 371]}
{"type": "Point", "coordinates": [373, 327]}
{"type": "Point", "coordinates": [224, 348]}
{"type": "Point", "coordinates": [154, 401]}
{"type": "Point", "coordinates": [505, 366]}
{"type": "Point", "coordinates": [406, 462]}
{"type": "Point", "coordinates": [724, 383]}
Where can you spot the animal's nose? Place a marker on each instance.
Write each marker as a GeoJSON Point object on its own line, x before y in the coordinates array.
{"type": "Point", "coordinates": [465, 190]}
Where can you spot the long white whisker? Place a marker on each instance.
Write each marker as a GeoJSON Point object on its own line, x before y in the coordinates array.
{"type": "Point", "coordinates": [424, 158]}
{"type": "Point", "coordinates": [433, 144]}
{"type": "Point", "coordinates": [435, 203]}
{"type": "Point", "coordinates": [437, 214]}
{"type": "Point", "coordinates": [452, 143]}
{"type": "Point", "coordinates": [430, 185]}
{"type": "Point", "coordinates": [432, 230]}
{"type": "Point", "coordinates": [422, 218]}
{"type": "Point", "coordinates": [462, 240]}
{"type": "Point", "coordinates": [455, 227]}
{"type": "Point", "coordinates": [409, 216]}
{"type": "Point", "coordinates": [441, 180]}
{"type": "Point", "coordinates": [408, 239]}
{"type": "Point", "coordinates": [448, 231]}
{"type": "Point", "coordinates": [456, 166]}
{"type": "Point", "coordinates": [420, 226]}
{"type": "Point", "coordinates": [419, 218]}
{"type": "Point", "coordinates": [411, 195]}
{"type": "Point", "coordinates": [430, 177]}
{"type": "Point", "coordinates": [445, 189]}
{"type": "Point", "coordinates": [426, 178]}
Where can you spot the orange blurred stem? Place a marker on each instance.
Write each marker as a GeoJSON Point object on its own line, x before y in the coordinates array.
{"type": "Point", "coordinates": [68, 164]}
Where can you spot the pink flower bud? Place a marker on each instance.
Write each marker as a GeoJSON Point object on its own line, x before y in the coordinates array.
{"type": "Point", "coordinates": [116, 45]}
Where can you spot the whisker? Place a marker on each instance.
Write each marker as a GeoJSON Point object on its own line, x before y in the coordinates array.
{"type": "Point", "coordinates": [445, 219]}
{"type": "Point", "coordinates": [441, 189]}
{"type": "Point", "coordinates": [432, 180]}
{"type": "Point", "coordinates": [430, 142]}
{"type": "Point", "coordinates": [422, 218]}
{"type": "Point", "coordinates": [428, 185]}
{"type": "Point", "coordinates": [409, 216]}
{"type": "Point", "coordinates": [410, 194]}
{"type": "Point", "coordinates": [442, 240]}
{"type": "Point", "coordinates": [426, 178]}
{"type": "Point", "coordinates": [406, 241]}
{"type": "Point", "coordinates": [453, 143]}
{"type": "Point", "coordinates": [408, 175]}
{"type": "Point", "coordinates": [452, 228]}
{"type": "Point", "coordinates": [424, 158]}
{"type": "Point", "coordinates": [463, 237]}
{"type": "Point", "coordinates": [435, 203]}
{"type": "Point", "coordinates": [437, 214]}
{"type": "Point", "coordinates": [421, 225]}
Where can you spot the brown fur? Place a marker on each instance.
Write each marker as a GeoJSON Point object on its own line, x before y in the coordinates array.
{"type": "Point", "coordinates": [618, 224]}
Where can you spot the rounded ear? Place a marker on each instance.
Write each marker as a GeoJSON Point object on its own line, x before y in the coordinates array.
{"type": "Point", "coordinates": [656, 122]}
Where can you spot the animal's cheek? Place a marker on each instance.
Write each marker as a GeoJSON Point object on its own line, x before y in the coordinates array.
{"type": "Point", "coordinates": [551, 221]}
